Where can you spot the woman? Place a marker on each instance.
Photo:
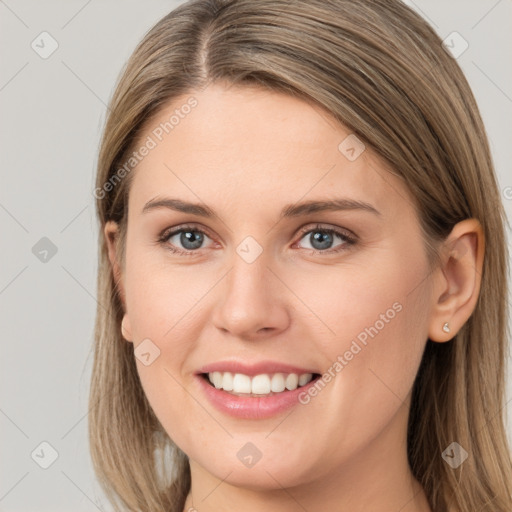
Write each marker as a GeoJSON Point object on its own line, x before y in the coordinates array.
{"type": "Point", "coordinates": [302, 273]}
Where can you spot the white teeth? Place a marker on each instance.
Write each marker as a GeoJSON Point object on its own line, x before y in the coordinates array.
{"type": "Point", "coordinates": [227, 381]}
{"type": "Point", "coordinates": [217, 379]}
{"type": "Point", "coordinates": [241, 383]}
{"type": "Point", "coordinates": [305, 378]}
{"type": "Point", "coordinates": [262, 384]}
{"type": "Point", "coordinates": [278, 383]}
{"type": "Point", "coordinates": [292, 381]}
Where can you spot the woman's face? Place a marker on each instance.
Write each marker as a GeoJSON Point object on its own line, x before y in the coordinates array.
{"type": "Point", "coordinates": [261, 286]}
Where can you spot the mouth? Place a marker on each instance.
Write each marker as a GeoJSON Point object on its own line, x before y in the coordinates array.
{"type": "Point", "coordinates": [262, 385]}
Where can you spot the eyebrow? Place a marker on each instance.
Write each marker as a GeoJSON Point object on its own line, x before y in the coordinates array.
{"type": "Point", "coordinates": [290, 210]}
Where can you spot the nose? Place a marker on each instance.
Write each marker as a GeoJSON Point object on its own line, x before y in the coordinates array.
{"type": "Point", "coordinates": [252, 301]}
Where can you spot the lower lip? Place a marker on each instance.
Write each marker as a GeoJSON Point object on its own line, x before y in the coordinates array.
{"type": "Point", "coordinates": [252, 407]}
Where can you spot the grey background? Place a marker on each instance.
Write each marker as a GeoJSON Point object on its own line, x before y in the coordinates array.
{"type": "Point", "coordinates": [52, 111]}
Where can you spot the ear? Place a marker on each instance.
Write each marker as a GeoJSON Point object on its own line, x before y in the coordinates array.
{"type": "Point", "coordinates": [111, 232]}
{"type": "Point", "coordinates": [458, 281]}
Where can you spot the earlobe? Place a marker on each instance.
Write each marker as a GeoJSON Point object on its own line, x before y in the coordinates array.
{"type": "Point", "coordinates": [457, 282]}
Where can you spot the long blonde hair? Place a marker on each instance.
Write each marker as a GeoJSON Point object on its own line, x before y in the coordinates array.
{"type": "Point", "coordinates": [380, 70]}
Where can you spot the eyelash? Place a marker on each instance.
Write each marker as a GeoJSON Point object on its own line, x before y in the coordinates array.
{"type": "Point", "coordinates": [348, 240]}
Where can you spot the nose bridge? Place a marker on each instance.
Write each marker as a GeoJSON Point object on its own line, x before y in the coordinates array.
{"type": "Point", "coordinates": [252, 298]}
{"type": "Point", "coordinates": [249, 271]}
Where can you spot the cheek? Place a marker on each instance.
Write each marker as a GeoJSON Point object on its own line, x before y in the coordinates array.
{"type": "Point", "coordinates": [385, 304]}
{"type": "Point", "coordinates": [370, 324]}
{"type": "Point", "coordinates": [161, 299]}
{"type": "Point", "coordinates": [165, 306]}
{"type": "Point", "coordinates": [162, 314]}
{"type": "Point", "coordinates": [372, 358]}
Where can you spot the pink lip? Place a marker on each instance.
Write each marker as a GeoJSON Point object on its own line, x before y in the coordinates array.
{"type": "Point", "coordinates": [269, 367]}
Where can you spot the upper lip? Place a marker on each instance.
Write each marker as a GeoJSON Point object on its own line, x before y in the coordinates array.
{"type": "Point", "coordinates": [252, 369]}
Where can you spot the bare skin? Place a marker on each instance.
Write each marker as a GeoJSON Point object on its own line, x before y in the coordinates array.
{"type": "Point", "coordinates": [246, 153]}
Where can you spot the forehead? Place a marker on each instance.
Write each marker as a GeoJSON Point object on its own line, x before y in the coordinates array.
{"type": "Point", "coordinates": [234, 144]}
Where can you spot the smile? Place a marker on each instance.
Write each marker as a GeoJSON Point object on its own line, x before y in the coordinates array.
{"type": "Point", "coordinates": [263, 384]}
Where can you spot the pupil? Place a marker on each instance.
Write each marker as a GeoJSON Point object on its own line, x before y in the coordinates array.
{"type": "Point", "coordinates": [322, 238]}
{"type": "Point", "coordinates": [192, 237]}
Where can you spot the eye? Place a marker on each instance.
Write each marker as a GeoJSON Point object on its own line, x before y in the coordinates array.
{"type": "Point", "coordinates": [189, 238]}
{"type": "Point", "coordinates": [186, 240]}
{"type": "Point", "coordinates": [321, 239]}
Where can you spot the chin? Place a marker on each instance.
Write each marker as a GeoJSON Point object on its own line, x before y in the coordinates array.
{"type": "Point", "coordinates": [264, 475]}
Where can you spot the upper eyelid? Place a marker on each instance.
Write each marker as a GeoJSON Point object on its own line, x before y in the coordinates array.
{"type": "Point", "coordinates": [318, 226]}
{"type": "Point", "coordinates": [178, 229]}
{"type": "Point", "coordinates": [306, 228]}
